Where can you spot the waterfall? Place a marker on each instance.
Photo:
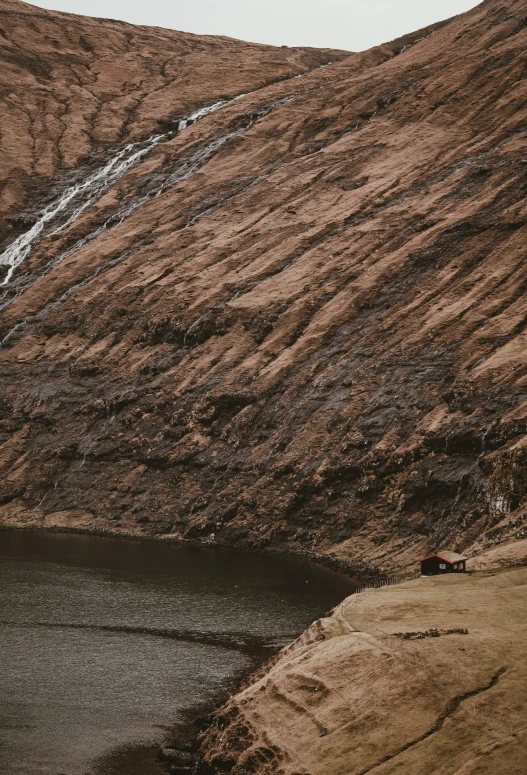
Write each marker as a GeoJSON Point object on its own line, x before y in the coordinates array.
{"type": "Point", "coordinates": [90, 191]}
{"type": "Point", "coordinates": [202, 112]}
{"type": "Point", "coordinates": [99, 182]}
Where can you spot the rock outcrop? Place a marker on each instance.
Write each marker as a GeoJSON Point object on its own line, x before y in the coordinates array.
{"type": "Point", "coordinates": [297, 323]}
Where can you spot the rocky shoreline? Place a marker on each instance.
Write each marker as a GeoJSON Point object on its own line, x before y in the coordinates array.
{"type": "Point", "coordinates": [182, 752]}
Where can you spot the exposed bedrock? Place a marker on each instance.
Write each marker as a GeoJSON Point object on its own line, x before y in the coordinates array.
{"type": "Point", "coordinates": [299, 322]}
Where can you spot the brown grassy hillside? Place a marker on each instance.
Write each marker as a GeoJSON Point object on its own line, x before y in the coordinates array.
{"type": "Point", "coordinates": [353, 697]}
{"type": "Point", "coordinates": [299, 323]}
{"type": "Point", "coordinates": [71, 85]}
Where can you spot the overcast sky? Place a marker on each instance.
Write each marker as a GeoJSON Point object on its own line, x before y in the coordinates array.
{"type": "Point", "coordinates": [353, 25]}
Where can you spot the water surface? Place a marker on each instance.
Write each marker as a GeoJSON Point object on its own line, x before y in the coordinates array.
{"type": "Point", "coordinates": [106, 645]}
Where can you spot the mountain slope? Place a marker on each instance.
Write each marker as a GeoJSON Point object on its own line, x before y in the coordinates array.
{"type": "Point", "coordinates": [72, 85]}
{"type": "Point", "coordinates": [298, 323]}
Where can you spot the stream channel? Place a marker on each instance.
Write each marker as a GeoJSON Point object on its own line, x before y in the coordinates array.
{"type": "Point", "coordinates": [108, 647]}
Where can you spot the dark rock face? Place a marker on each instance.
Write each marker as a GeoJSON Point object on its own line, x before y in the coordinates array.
{"type": "Point", "coordinates": [297, 323]}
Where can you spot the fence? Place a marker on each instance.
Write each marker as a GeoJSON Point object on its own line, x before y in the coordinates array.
{"type": "Point", "coordinates": [389, 582]}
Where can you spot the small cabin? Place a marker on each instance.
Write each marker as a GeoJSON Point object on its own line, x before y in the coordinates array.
{"type": "Point", "coordinates": [444, 562]}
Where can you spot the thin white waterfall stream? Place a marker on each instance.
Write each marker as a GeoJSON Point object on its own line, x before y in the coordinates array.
{"type": "Point", "coordinates": [98, 183]}
{"type": "Point", "coordinates": [93, 187]}
{"type": "Point", "coordinates": [90, 191]}
{"type": "Point", "coordinates": [202, 112]}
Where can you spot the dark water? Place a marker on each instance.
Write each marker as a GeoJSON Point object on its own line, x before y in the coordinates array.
{"type": "Point", "coordinates": [106, 645]}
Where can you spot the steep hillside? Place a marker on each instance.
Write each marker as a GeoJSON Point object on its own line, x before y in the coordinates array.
{"type": "Point", "coordinates": [298, 323]}
{"type": "Point", "coordinates": [72, 86]}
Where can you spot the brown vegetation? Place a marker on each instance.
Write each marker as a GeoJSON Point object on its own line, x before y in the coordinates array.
{"type": "Point", "coordinates": [313, 338]}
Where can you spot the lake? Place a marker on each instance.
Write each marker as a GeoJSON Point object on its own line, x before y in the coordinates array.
{"type": "Point", "coordinates": [109, 646]}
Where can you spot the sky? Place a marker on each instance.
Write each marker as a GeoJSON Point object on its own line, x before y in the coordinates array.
{"type": "Point", "coordinates": [353, 25]}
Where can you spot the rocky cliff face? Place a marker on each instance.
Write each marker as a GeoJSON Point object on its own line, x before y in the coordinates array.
{"type": "Point", "coordinates": [297, 322]}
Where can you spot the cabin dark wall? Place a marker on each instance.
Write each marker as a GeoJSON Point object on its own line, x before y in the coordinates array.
{"type": "Point", "coordinates": [431, 567]}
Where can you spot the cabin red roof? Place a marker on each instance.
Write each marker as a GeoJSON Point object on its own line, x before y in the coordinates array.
{"type": "Point", "coordinates": [449, 557]}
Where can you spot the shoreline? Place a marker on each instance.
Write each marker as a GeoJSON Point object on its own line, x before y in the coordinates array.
{"type": "Point", "coordinates": [183, 736]}
{"type": "Point", "coordinates": [188, 740]}
{"type": "Point", "coordinates": [185, 746]}
{"type": "Point", "coordinates": [326, 561]}
{"type": "Point", "coordinates": [344, 685]}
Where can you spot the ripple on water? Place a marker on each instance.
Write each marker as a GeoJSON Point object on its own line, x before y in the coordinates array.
{"type": "Point", "coordinates": [105, 644]}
